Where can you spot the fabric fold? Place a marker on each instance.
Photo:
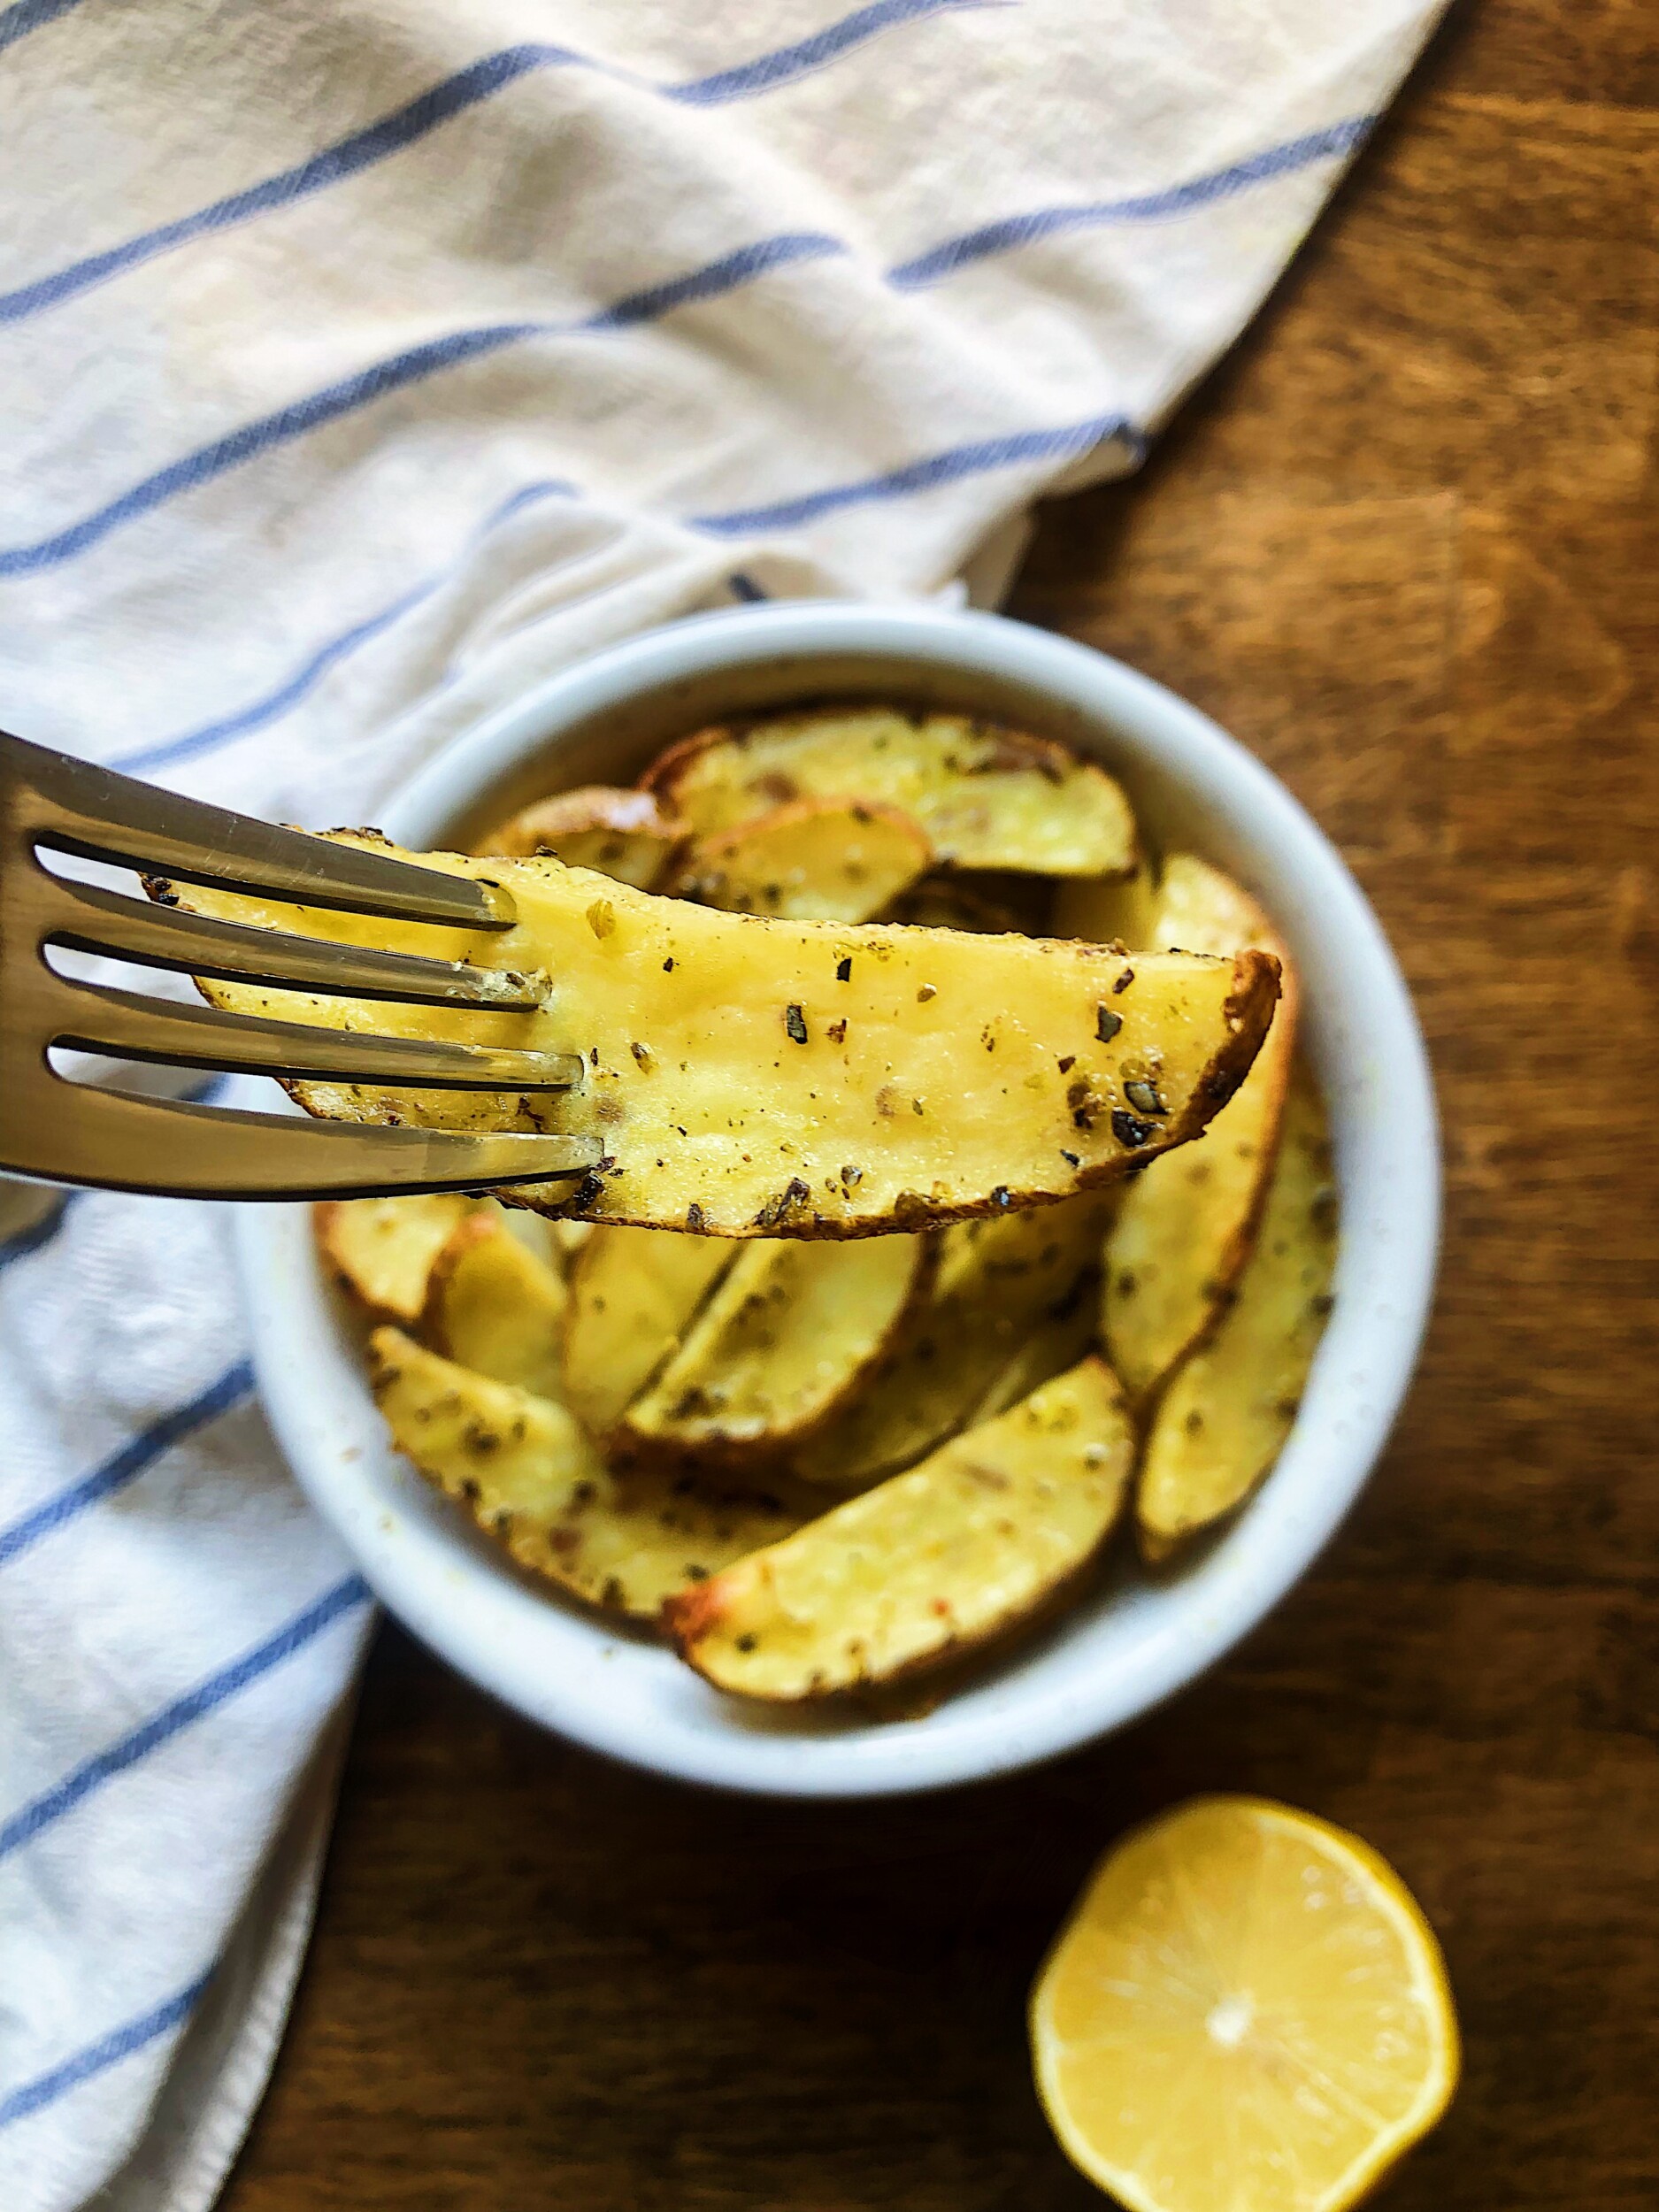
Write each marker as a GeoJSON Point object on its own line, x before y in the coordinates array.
{"type": "Point", "coordinates": [363, 362]}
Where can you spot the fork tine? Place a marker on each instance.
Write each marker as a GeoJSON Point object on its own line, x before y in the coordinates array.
{"type": "Point", "coordinates": [219, 1152]}
{"type": "Point", "coordinates": [130, 1025]}
{"type": "Point", "coordinates": [96, 920]}
{"type": "Point", "coordinates": [72, 807]}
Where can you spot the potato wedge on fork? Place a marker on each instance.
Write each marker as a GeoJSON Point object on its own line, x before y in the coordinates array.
{"type": "Point", "coordinates": [767, 1078]}
{"type": "Point", "coordinates": [902, 1272]}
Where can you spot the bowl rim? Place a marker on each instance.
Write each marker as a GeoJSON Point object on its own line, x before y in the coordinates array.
{"type": "Point", "coordinates": [1386, 1278]}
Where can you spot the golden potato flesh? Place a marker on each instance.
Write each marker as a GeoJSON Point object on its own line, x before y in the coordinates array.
{"type": "Point", "coordinates": [1057, 1340]}
{"type": "Point", "coordinates": [964, 1548]}
{"type": "Point", "coordinates": [1224, 1419]}
{"type": "Point", "coordinates": [1111, 910]}
{"type": "Point", "coordinates": [530, 1477]}
{"type": "Point", "coordinates": [756, 1078]}
{"type": "Point", "coordinates": [634, 1294]}
{"type": "Point", "coordinates": [985, 795]}
{"type": "Point", "coordinates": [620, 833]}
{"type": "Point", "coordinates": [788, 1336]}
{"type": "Point", "coordinates": [494, 1306]}
{"type": "Point", "coordinates": [818, 860]}
{"type": "Point", "coordinates": [383, 1249]}
{"type": "Point", "coordinates": [996, 1282]}
{"type": "Point", "coordinates": [1187, 1225]}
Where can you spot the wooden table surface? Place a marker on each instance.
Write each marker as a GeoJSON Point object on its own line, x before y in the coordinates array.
{"type": "Point", "coordinates": [1405, 545]}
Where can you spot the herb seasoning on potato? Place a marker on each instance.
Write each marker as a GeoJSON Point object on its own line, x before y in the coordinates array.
{"type": "Point", "coordinates": [1087, 1271]}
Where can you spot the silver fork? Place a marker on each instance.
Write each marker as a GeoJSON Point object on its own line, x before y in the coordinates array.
{"type": "Point", "coordinates": [74, 1131]}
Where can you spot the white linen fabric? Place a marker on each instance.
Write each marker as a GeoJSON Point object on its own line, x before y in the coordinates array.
{"type": "Point", "coordinates": [361, 361]}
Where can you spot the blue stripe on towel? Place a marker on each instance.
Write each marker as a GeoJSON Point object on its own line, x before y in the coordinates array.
{"type": "Point", "coordinates": [108, 2050]}
{"type": "Point", "coordinates": [440, 104]}
{"type": "Point", "coordinates": [399, 370]}
{"type": "Point", "coordinates": [183, 1712]}
{"type": "Point", "coordinates": [924, 475]}
{"type": "Point", "coordinates": [168, 752]}
{"type": "Point", "coordinates": [727, 274]}
{"type": "Point", "coordinates": [724, 275]}
{"type": "Point", "coordinates": [131, 1461]}
{"type": "Point", "coordinates": [35, 1238]}
{"type": "Point", "coordinates": [790, 62]}
{"type": "Point", "coordinates": [243, 445]}
{"type": "Point", "coordinates": [481, 80]}
{"type": "Point", "coordinates": [25, 16]}
{"type": "Point", "coordinates": [1147, 207]}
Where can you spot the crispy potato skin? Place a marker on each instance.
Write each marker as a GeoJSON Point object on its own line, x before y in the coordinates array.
{"type": "Point", "coordinates": [828, 860]}
{"type": "Point", "coordinates": [634, 1294]}
{"type": "Point", "coordinates": [496, 1307]}
{"type": "Point", "coordinates": [619, 832]}
{"type": "Point", "coordinates": [718, 1122]}
{"type": "Point", "coordinates": [790, 1335]}
{"type": "Point", "coordinates": [381, 1251]}
{"type": "Point", "coordinates": [1219, 1428]}
{"type": "Point", "coordinates": [943, 1559]}
{"type": "Point", "coordinates": [695, 1613]}
{"type": "Point", "coordinates": [986, 795]}
{"type": "Point", "coordinates": [636, 1400]}
{"type": "Point", "coordinates": [994, 1281]}
{"type": "Point", "coordinates": [1188, 1226]}
{"type": "Point", "coordinates": [523, 1470]}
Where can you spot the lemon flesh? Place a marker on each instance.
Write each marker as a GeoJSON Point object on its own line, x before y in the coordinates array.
{"type": "Point", "coordinates": [1247, 2012]}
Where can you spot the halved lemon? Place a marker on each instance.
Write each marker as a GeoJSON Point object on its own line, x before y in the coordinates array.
{"type": "Point", "coordinates": [1247, 2012]}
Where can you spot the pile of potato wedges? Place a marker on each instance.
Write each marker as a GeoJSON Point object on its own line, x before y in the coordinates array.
{"type": "Point", "coordinates": [964, 1199]}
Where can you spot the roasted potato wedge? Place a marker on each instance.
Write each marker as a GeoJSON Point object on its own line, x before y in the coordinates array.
{"type": "Point", "coordinates": [787, 1337]}
{"type": "Point", "coordinates": [756, 1078]}
{"type": "Point", "coordinates": [997, 1280]}
{"type": "Point", "coordinates": [493, 1306]}
{"type": "Point", "coordinates": [383, 1249]}
{"type": "Point", "coordinates": [634, 1294]}
{"type": "Point", "coordinates": [986, 904]}
{"type": "Point", "coordinates": [1187, 1225]}
{"type": "Point", "coordinates": [625, 835]}
{"type": "Point", "coordinates": [1224, 1417]}
{"type": "Point", "coordinates": [531, 1477]}
{"type": "Point", "coordinates": [816, 860]}
{"type": "Point", "coordinates": [1111, 910]}
{"type": "Point", "coordinates": [1057, 1340]}
{"type": "Point", "coordinates": [986, 796]}
{"type": "Point", "coordinates": [950, 1556]}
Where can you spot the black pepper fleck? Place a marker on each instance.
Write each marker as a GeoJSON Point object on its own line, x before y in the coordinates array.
{"type": "Point", "coordinates": [1106, 1023]}
{"type": "Point", "coordinates": [794, 1022]}
{"type": "Point", "coordinates": [1128, 1131]}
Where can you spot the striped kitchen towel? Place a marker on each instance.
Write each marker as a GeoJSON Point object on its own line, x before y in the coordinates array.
{"type": "Point", "coordinates": [360, 362]}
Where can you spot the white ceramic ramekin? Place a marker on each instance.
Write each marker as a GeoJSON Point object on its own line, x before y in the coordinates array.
{"type": "Point", "coordinates": [1135, 1641]}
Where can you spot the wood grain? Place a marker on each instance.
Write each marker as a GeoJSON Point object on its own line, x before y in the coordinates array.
{"type": "Point", "coordinates": [1405, 545]}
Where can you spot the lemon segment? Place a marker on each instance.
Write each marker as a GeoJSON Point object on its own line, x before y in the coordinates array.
{"type": "Point", "coordinates": [1247, 2012]}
